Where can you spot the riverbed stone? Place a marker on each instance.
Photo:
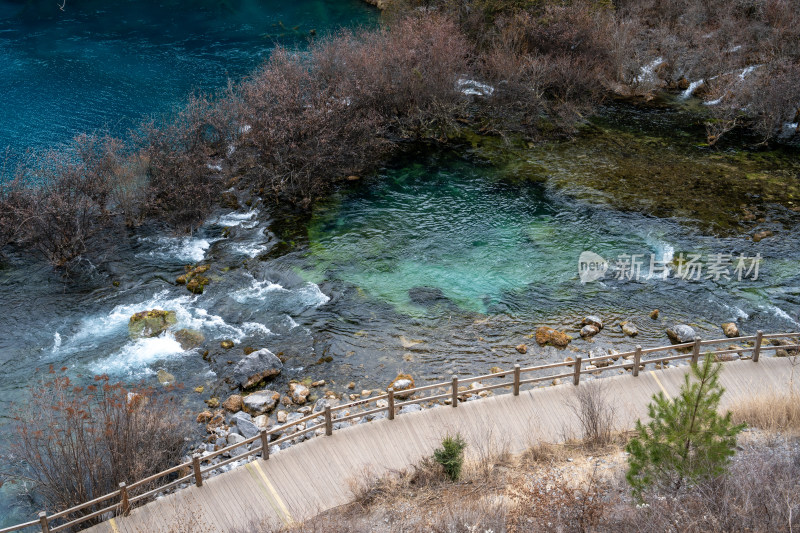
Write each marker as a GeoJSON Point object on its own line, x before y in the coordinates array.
{"type": "Point", "coordinates": [281, 416]}
{"type": "Point", "coordinates": [630, 329]}
{"type": "Point", "coordinates": [204, 416]}
{"type": "Point", "coordinates": [589, 330]}
{"type": "Point", "coordinates": [522, 348]}
{"type": "Point", "coordinates": [549, 336]}
{"type": "Point", "coordinates": [261, 402]}
{"type": "Point", "coordinates": [299, 393]}
{"type": "Point", "coordinates": [233, 403]}
{"type": "Point", "coordinates": [150, 323]}
{"type": "Point", "coordinates": [256, 367]}
{"type": "Point", "coordinates": [761, 235]}
{"type": "Point", "coordinates": [245, 424]}
{"type": "Point", "coordinates": [227, 344]}
{"type": "Point", "coordinates": [189, 338]}
{"type": "Point", "coordinates": [593, 320]}
{"type": "Point", "coordinates": [654, 314]}
{"type": "Point", "coordinates": [402, 383]}
{"type": "Point", "coordinates": [730, 329]}
{"type": "Point", "coordinates": [411, 408]}
{"type": "Point", "coordinates": [681, 333]}
{"type": "Point", "coordinates": [164, 377]}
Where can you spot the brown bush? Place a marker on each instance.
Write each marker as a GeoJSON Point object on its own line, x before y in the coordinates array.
{"type": "Point", "coordinates": [76, 443]}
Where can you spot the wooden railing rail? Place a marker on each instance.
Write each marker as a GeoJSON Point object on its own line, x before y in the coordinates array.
{"type": "Point", "coordinates": [632, 361]}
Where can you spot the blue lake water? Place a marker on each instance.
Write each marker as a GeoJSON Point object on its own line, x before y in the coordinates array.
{"type": "Point", "coordinates": [98, 65]}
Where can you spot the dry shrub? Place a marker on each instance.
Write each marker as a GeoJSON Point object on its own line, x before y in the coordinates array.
{"type": "Point", "coordinates": [76, 443]}
{"type": "Point", "coordinates": [776, 412]}
{"type": "Point", "coordinates": [596, 416]}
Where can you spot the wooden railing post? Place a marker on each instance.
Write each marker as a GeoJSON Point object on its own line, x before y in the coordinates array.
{"type": "Point", "coordinates": [391, 403]}
{"type": "Point", "coordinates": [43, 521]}
{"type": "Point", "coordinates": [198, 476]}
{"type": "Point", "coordinates": [328, 421]}
{"type": "Point", "coordinates": [576, 377]}
{"type": "Point", "coordinates": [455, 391]}
{"type": "Point", "coordinates": [516, 380]}
{"type": "Point", "coordinates": [696, 351]}
{"type": "Point", "coordinates": [123, 496]}
{"type": "Point", "coordinates": [637, 359]}
{"type": "Point", "coordinates": [264, 445]}
{"type": "Point", "coordinates": [757, 346]}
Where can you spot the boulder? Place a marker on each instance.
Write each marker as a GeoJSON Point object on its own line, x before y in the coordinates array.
{"type": "Point", "coordinates": [522, 348]}
{"type": "Point", "coordinates": [245, 425]}
{"type": "Point", "coordinates": [681, 333]}
{"type": "Point", "coordinates": [593, 320]}
{"type": "Point", "coordinates": [402, 383]}
{"type": "Point", "coordinates": [227, 344]}
{"type": "Point", "coordinates": [281, 417]}
{"type": "Point", "coordinates": [630, 329]}
{"type": "Point", "coordinates": [189, 338]}
{"type": "Point", "coordinates": [260, 402]}
{"type": "Point", "coordinates": [233, 403]}
{"type": "Point", "coordinates": [654, 314]}
{"type": "Point", "coordinates": [299, 393]}
{"type": "Point", "coordinates": [552, 337]}
{"type": "Point", "coordinates": [254, 368]}
{"type": "Point", "coordinates": [150, 323]}
{"type": "Point", "coordinates": [204, 417]}
{"type": "Point", "coordinates": [411, 408]}
{"type": "Point", "coordinates": [589, 330]}
{"type": "Point", "coordinates": [730, 329]}
{"type": "Point", "coordinates": [193, 280]}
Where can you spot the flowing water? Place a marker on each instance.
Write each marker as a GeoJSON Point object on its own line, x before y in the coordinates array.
{"type": "Point", "coordinates": [439, 264]}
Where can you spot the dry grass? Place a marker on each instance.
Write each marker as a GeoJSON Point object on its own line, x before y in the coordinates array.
{"type": "Point", "coordinates": [774, 412]}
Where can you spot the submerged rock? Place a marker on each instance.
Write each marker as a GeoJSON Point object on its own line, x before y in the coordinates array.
{"type": "Point", "coordinates": [762, 235]}
{"type": "Point", "coordinates": [256, 367]}
{"type": "Point", "coordinates": [164, 377]}
{"type": "Point", "coordinates": [552, 337]}
{"type": "Point", "coordinates": [189, 338]}
{"type": "Point", "coordinates": [428, 296]}
{"type": "Point", "coordinates": [681, 333]}
{"type": "Point", "coordinates": [150, 323]}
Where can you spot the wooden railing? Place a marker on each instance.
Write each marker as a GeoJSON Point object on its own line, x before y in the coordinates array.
{"type": "Point", "coordinates": [122, 500]}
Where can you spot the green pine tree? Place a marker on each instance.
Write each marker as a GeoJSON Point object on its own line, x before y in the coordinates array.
{"type": "Point", "coordinates": [686, 440]}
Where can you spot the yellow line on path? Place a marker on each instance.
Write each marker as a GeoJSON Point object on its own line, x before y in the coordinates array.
{"type": "Point", "coordinates": [114, 527]}
{"type": "Point", "coordinates": [661, 386]}
{"type": "Point", "coordinates": [281, 510]}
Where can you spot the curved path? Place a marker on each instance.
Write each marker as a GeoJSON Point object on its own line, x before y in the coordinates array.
{"type": "Point", "coordinates": [317, 475]}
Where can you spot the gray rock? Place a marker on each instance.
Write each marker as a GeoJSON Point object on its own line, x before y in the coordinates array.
{"type": "Point", "coordinates": [255, 367]}
{"type": "Point", "coordinates": [245, 425]}
{"type": "Point", "coordinates": [221, 442]}
{"type": "Point", "coordinates": [411, 408]}
{"type": "Point", "coordinates": [373, 416]}
{"type": "Point", "coordinates": [589, 330]}
{"type": "Point", "coordinates": [234, 439]}
{"type": "Point", "coordinates": [261, 402]}
{"type": "Point", "coordinates": [593, 320]}
{"type": "Point", "coordinates": [681, 333]}
{"type": "Point", "coordinates": [630, 329]}
{"type": "Point", "coordinates": [341, 425]}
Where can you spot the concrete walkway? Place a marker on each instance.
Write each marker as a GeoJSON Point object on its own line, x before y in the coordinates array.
{"type": "Point", "coordinates": [316, 475]}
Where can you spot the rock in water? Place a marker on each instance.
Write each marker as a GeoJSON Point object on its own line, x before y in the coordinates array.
{"type": "Point", "coordinates": [189, 338]}
{"type": "Point", "coordinates": [261, 402]}
{"type": "Point", "coordinates": [589, 330]}
{"type": "Point", "coordinates": [546, 335]}
{"type": "Point", "coordinates": [681, 333]}
{"type": "Point", "coordinates": [256, 367]}
{"type": "Point", "coordinates": [298, 392]}
{"type": "Point", "coordinates": [654, 314]}
{"type": "Point", "coordinates": [401, 383]}
{"type": "Point", "coordinates": [593, 320]}
{"type": "Point", "coordinates": [730, 329]}
{"type": "Point", "coordinates": [150, 323]}
{"type": "Point", "coordinates": [522, 348]}
{"type": "Point", "coordinates": [227, 344]}
{"type": "Point", "coordinates": [630, 329]}
{"type": "Point", "coordinates": [164, 377]}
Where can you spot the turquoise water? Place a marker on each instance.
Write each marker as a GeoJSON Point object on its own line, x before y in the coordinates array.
{"type": "Point", "coordinates": [98, 65]}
